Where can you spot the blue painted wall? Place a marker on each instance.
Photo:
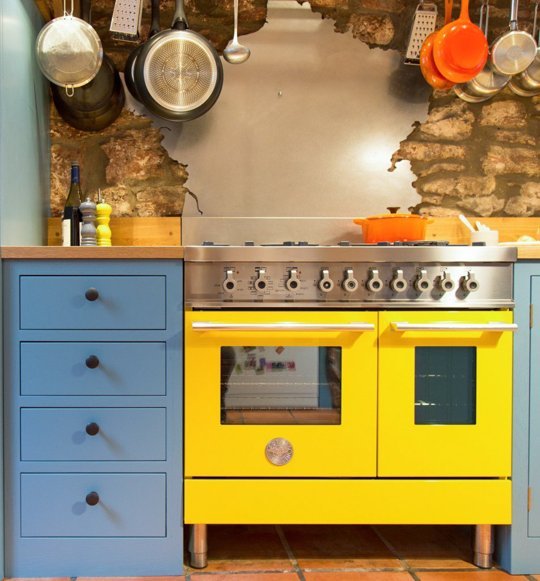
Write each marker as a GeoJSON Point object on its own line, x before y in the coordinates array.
{"type": "Point", "coordinates": [24, 146]}
{"type": "Point", "coordinates": [24, 128]}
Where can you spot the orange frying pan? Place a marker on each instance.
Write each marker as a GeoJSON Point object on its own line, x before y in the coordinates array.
{"type": "Point", "coordinates": [427, 63]}
{"type": "Point", "coordinates": [460, 49]}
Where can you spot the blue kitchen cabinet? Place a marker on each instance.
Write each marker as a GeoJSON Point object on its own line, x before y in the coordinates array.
{"type": "Point", "coordinates": [93, 417]}
{"type": "Point", "coordinates": [518, 545]}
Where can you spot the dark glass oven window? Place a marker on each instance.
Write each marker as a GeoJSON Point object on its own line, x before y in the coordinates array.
{"type": "Point", "coordinates": [445, 385]}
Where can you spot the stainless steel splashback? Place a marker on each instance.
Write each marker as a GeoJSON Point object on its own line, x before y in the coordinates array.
{"type": "Point", "coordinates": [261, 230]}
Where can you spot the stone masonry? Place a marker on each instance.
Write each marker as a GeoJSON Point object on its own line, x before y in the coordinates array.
{"type": "Point", "coordinates": [481, 159]}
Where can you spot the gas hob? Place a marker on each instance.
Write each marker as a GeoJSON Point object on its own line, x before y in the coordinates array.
{"type": "Point", "coordinates": [345, 274]}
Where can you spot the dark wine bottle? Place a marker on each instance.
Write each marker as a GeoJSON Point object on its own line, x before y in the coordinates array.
{"type": "Point", "coordinates": [72, 218]}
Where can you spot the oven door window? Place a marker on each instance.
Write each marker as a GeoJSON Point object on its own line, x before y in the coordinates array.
{"type": "Point", "coordinates": [281, 385]}
{"type": "Point", "coordinates": [445, 386]}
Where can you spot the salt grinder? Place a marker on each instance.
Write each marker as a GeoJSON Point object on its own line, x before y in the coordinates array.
{"type": "Point", "coordinates": [88, 229]}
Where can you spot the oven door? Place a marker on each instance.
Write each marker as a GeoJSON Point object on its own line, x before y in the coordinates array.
{"type": "Point", "coordinates": [445, 394]}
{"type": "Point", "coordinates": [280, 393]}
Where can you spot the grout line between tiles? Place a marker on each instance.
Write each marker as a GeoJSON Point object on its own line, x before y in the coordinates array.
{"type": "Point", "coordinates": [396, 554]}
{"type": "Point", "coordinates": [289, 552]}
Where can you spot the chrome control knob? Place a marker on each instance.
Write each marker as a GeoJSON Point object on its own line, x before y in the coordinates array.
{"type": "Point", "coordinates": [229, 284]}
{"type": "Point", "coordinates": [260, 283]}
{"type": "Point", "coordinates": [398, 284]}
{"type": "Point", "coordinates": [326, 284]}
{"type": "Point", "coordinates": [446, 282]}
{"type": "Point", "coordinates": [374, 284]}
{"type": "Point", "coordinates": [349, 284]}
{"type": "Point", "coordinates": [293, 282]}
{"type": "Point", "coordinates": [469, 283]}
{"type": "Point", "coordinates": [422, 283]}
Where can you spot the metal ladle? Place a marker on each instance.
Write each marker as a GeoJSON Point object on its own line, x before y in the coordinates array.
{"type": "Point", "coordinates": [234, 52]}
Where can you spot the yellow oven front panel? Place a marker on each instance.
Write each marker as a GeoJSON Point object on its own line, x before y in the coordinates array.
{"type": "Point", "coordinates": [216, 449]}
{"type": "Point", "coordinates": [481, 448]}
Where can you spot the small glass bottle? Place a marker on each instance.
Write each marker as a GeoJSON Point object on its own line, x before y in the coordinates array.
{"type": "Point", "coordinates": [72, 218]}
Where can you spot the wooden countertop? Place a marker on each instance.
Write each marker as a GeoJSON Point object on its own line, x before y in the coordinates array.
{"type": "Point", "coordinates": [528, 252]}
{"type": "Point", "coordinates": [525, 252]}
{"type": "Point", "coordinates": [91, 252]}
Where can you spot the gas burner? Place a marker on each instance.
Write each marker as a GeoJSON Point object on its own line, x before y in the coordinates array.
{"type": "Point", "coordinates": [290, 243]}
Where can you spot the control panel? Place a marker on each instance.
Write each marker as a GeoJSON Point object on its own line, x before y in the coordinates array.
{"type": "Point", "coordinates": [351, 285]}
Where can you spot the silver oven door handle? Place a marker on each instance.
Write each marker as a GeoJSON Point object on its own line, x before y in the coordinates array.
{"type": "Point", "coordinates": [494, 327]}
{"type": "Point", "coordinates": [209, 326]}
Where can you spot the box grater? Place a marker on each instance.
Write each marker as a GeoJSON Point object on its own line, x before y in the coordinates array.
{"type": "Point", "coordinates": [126, 20]}
{"type": "Point", "coordinates": [425, 19]}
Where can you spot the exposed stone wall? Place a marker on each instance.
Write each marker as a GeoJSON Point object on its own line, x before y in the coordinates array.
{"type": "Point", "coordinates": [126, 161]}
{"type": "Point", "coordinates": [479, 159]}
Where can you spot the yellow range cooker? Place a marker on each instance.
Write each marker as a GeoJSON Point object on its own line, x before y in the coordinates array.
{"type": "Point", "coordinates": [348, 384]}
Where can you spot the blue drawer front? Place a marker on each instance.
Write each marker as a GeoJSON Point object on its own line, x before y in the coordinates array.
{"type": "Point", "coordinates": [49, 434]}
{"type": "Point", "coordinates": [130, 505]}
{"type": "Point", "coordinates": [61, 368]}
{"type": "Point", "coordinates": [123, 302]}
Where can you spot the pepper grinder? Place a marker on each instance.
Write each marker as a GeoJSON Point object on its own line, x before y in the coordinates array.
{"type": "Point", "coordinates": [88, 229]}
{"type": "Point", "coordinates": [103, 214]}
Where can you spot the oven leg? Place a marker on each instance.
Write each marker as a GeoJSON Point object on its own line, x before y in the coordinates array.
{"type": "Point", "coordinates": [483, 546]}
{"type": "Point", "coordinates": [198, 547]}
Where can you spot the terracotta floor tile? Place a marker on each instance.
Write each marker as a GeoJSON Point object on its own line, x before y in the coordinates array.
{"type": "Point", "coordinates": [357, 576]}
{"type": "Point", "coordinates": [246, 577]}
{"type": "Point", "coordinates": [245, 548]}
{"type": "Point", "coordinates": [334, 547]}
{"type": "Point", "coordinates": [171, 578]}
{"type": "Point", "coordinates": [431, 547]}
{"type": "Point", "coordinates": [41, 579]}
{"type": "Point", "coordinates": [491, 575]}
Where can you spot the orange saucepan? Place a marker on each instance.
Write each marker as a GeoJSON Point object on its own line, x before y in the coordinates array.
{"type": "Point", "coordinates": [393, 227]}
{"type": "Point", "coordinates": [427, 63]}
{"type": "Point", "coordinates": [460, 49]}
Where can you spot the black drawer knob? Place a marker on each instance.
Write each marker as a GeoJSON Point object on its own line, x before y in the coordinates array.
{"type": "Point", "coordinates": [92, 361]}
{"type": "Point", "coordinates": [92, 498]}
{"type": "Point", "coordinates": [91, 294]}
{"type": "Point", "coordinates": [92, 429]}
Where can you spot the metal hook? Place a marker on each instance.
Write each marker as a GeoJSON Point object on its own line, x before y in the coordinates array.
{"type": "Point", "coordinates": [65, 9]}
{"type": "Point", "coordinates": [535, 20]}
{"type": "Point", "coordinates": [70, 90]}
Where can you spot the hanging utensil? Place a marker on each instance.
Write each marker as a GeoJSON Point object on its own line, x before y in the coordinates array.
{"type": "Point", "coordinates": [178, 73]}
{"type": "Point", "coordinates": [236, 53]}
{"type": "Point", "coordinates": [69, 51]}
{"type": "Point", "coordinates": [102, 97]}
{"type": "Point", "coordinates": [428, 67]}
{"type": "Point", "coordinates": [460, 48]}
{"type": "Point", "coordinates": [424, 22]}
{"type": "Point", "coordinates": [514, 50]}
{"type": "Point", "coordinates": [488, 82]}
{"type": "Point", "coordinates": [527, 83]}
{"type": "Point", "coordinates": [126, 20]}
{"type": "Point", "coordinates": [129, 68]}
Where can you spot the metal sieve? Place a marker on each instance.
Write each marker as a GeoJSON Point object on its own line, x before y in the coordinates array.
{"type": "Point", "coordinates": [69, 51]}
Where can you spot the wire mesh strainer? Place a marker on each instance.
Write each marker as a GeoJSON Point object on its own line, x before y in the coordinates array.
{"type": "Point", "coordinates": [69, 51]}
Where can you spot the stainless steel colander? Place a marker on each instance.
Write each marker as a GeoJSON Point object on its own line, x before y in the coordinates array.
{"type": "Point", "coordinates": [69, 51]}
